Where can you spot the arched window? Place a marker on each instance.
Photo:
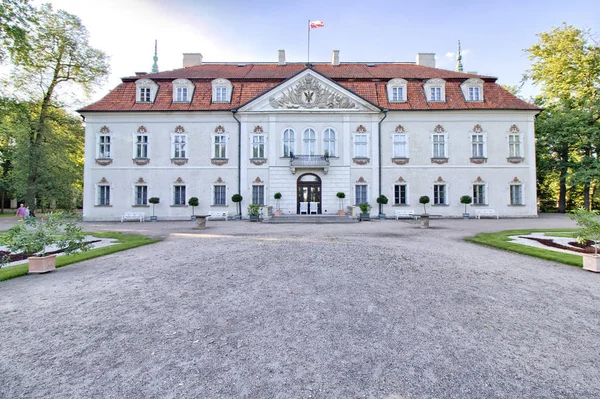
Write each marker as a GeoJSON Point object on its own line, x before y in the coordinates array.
{"type": "Point", "coordinates": [309, 140]}
{"type": "Point", "coordinates": [289, 142]}
{"type": "Point", "coordinates": [329, 142]}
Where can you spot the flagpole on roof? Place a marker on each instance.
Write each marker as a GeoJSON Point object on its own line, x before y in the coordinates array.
{"type": "Point", "coordinates": [308, 52]}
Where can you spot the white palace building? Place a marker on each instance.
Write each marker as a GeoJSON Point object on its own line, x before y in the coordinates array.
{"type": "Point", "coordinates": [308, 131]}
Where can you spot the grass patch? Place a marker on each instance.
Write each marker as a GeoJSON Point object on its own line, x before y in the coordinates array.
{"type": "Point", "coordinates": [126, 241]}
{"type": "Point", "coordinates": [500, 240]}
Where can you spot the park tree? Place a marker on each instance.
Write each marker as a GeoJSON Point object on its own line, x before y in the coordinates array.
{"type": "Point", "coordinates": [16, 19]}
{"type": "Point", "coordinates": [58, 59]}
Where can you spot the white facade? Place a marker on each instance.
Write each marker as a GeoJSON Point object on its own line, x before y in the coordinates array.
{"type": "Point", "coordinates": [444, 154]}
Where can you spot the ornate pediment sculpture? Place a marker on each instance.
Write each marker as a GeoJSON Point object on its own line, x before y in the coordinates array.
{"type": "Point", "coordinates": [309, 93]}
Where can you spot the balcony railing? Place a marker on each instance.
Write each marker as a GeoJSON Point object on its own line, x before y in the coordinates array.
{"type": "Point", "coordinates": [309, 161]}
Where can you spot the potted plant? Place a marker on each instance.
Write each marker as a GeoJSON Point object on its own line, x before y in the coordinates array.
{"type": "Point", "coordinates": [193, 202]}
{"type": "Point", "coordinates": [253, 212]}
{"type": "Point", "coordinates": [277, 197]}
{"type": "Point", "coordinates": [153, 201]}
{"type": "Point", "coordinates": [34, 236]}
{"type": "Point", "coordinates": [466, 200]}
{"type": "Point", "coordinates": [382, 200]}
{"type": "Point", "coordinates": [237, 199]}
{"type": "Point", "coordinates": [424, 200]}
{"type": "Point", "coordinates": [365, 209]}
{"type": "Point", "coordinates": [590, 230]}
{"type": "Point", "coordinates": [341, 197]}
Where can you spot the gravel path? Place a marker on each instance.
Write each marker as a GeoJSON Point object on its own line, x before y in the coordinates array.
{"type": "Point", "coordinates": [248, 310]}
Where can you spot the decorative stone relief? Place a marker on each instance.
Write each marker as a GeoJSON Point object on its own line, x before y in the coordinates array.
{"type": "Point", "coordinates": [258, 129]}
{"type": "Point", "coordinates": [179, 161]}
{"type": "Point", "coordinates": [104, 181]}
{"type": "Point", "coordinates": [401, 180]}
{"type": "Point", "coordinates": [141, 161]}
{"type": "Point", "coordinates": [399, 129]}
{"type": "Point", "coordinates": [515, 159]}
{"type": "Point", "coordinates": [514, 129]}
{"type": "Point", "coordinates": [257, 180]}
{"type": "Point", "coordinates": [140, 180]}
{"type": "Point", "coordinates": [439, 161]}
{"type": "Point", "coordinates": [258, 161]}
{"type": "Point", "coordinates": [479, 180]}
{"type": "Point", "coordinates": [219, 180]}
{"type": "Point", "coordinates": [142, 129]}
{"type": "Point", "coordinates": [219, 161]}
{"type": "Point", "coordinates": [439, 129]}
{"type": "Point", "coordinates": [361, 129]}
{"type": "Point", "coordinates": [516, 180]}
{"type": "Point", "coordinates": [179, 129]}
{"type": "Point", "coordinates": [477, 128]}
{"type": "Point", "coordinates": [104, 129]}
{"type": "Point", "coordinates": [309, 93]}
{"type": "Point", "coordinates": [361, 180]}
{"type": "Point", "coordinates": [478, 160]}
{"type": "Point", "coordinates": [439, 179]}
{"type": "Point", "coordinates": [179, 180]}
{"type": "Point", "coordinates": [220, 129]}
{"type": "Point", "coordinates": [104, 161]}
{"type": "Point", "coordinates": [400, 161]}
{"type": "Point", "coordinates": [361, 161]}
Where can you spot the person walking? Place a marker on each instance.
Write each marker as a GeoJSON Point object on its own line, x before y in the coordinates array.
{"type": "Point", "coordinates": [27, 212]}
{"type": "Point", "coordinates": [21, 212]}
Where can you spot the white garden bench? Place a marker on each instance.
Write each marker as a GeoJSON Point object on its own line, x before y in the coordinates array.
{"type": "Point", "coordinates": [405, 213]}
{"type": "Point", "coordinates": [218, 215]}
{"type": "Point", "coordinates": [486, 212]}
{"type": "Point", "coordinates": [133, 216]}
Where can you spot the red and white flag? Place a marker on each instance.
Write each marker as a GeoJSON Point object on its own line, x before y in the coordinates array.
{"type": "Point", "coordinates": [316, 24]}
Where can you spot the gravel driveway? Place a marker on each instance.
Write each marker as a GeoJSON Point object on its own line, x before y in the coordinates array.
{"type": "Point", "coordinates": [248, 310]}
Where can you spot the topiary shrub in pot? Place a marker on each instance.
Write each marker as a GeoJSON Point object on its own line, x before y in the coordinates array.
{"type": "Point", "coordinates": [277, 197]}
{"type": "Point", "coordinates": [424, 200]}
{"type": "Point", "coordinates": [589, 223]}
{"type": "Point", "coordinates": [382, 200]}
{"type": "Point", "coordinates": [237, 198]}
{"type": "Point", "coordinates": [341, 197]}
{"type": "Point", "coordinates": [253, 212]}
{"type": "Point", "coordinates": [365, 211]}
{"type": "Point", "coordinates": [193, 202]}
{"type": "Point", "coordinates": [153, 201]}
{"type": "Point", "coordinates": [466, 200]}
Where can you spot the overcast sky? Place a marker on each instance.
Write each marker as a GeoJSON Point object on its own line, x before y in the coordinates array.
{"type": "Point", "coordinates": [493, 33]}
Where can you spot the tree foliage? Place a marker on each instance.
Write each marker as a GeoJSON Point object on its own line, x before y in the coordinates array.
{"type": "Point", "coordinates": [16, 18]}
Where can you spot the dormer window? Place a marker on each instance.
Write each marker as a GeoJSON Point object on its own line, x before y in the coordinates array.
{"type": "Point", "coordinates": [146, 91]}
{"type": "Point", "coordinates": [396, 90]}
{"type": "Point", "coordinates": [435, 90]}
{"type": "Point", "coordinates": [222, 89]}
{"type": "Point", "coordinates": [182, 91]}
{"type": "Point", "coordinates": [472, 89]}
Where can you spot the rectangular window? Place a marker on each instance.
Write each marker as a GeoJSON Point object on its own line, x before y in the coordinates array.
{"type": "Point", "coordinates": [360, 194]}
{"type": "Point", "coordinates": [220, 145]}
{"type": "Point", "coordinates": [439, 146]}
{"type": "Point", "coordinates": [181, 94]}
{"type": "Point", "coordinates": [178, 195]}
{"type": "Point", "coordinates": [397, 94]}
{"type": "Point", "coordinates": [258, 146]}
{"type": "Point", "coordinates": [258, 195]}
{"type": "Point", "coordinates": [439, 194]}
{"type": "Point", "coordinates": [221, 94]}
{"type": "Point", "coordinates": [400, 146]}
{"type": "Point", "coordinates": [474, 94]}
{"type": "Point", "coordinates": [145, 94]}
{"type": "Point", "coordinates": [141, 195]}
{"type": "Point", "coordinates": [516, 194]}
{"type": "Point", "coordinates": [436, 94]}
{"type": "Point", "coordinates": [104, 146]}
{"type": "Point", "coordinates": [179, 146]}
{"type": "Point", "coordinates": [514, 145]}
{"type": "Point", "coordinates": [360, 146]}
{"type": "Point", "coordinates": [479, 194]}
{"type": "Point", "coordinates": [103, 195]}
{"type": "Point", "coordinates": [141, 146]}
{"type": "Point", "coordinates": [400, 194]}
{"type": "Point", "coordinates": [477, 145]}
{"type": "Point", "coordinates": [219, 195]}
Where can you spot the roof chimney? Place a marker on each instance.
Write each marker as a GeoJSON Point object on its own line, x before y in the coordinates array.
{"type": "Point", "coordinates": [192, 59]}
{"type": "Point", "coordinates": [426, 59]}
{"type": "Point", "coordinates": [335, 57]}
{"type": "Point", "coordinates": [281, 57]}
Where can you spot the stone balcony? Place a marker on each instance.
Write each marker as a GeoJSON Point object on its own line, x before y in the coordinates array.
{"type": "Point", "coordinates": [309, 162]}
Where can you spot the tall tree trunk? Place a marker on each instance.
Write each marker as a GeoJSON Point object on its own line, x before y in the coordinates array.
{"type": "Point", "coordinates": [586, 196]}
{"type": "Point", "coordinates": [562, 193]}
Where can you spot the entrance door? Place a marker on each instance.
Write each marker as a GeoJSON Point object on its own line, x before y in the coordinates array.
{"type": "Point", "coordinates": [309, 191]}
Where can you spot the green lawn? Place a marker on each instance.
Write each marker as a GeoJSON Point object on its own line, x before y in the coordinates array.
{"type": "Point", "coordinates": [500, 240]}
{"type": "Point", "coordinates": [126, 241]}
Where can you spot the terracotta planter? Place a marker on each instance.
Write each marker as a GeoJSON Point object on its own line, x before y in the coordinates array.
{"type": "Point", "coordinates": [341, 213]}
{"type": "Point", "coordinates": [591, 263]}
{"type": "Point", "coordinates": [42, 264]}
{"type": "Point", "coordinates": [278, 212]}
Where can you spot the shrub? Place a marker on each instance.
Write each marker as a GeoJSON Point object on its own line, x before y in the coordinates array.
{"type": "Point", "coordinates": [424, 200]}
{"type": "Point", "coordinates": [365, 207]}
{"type": "Point", "coordinates": [193, 202]}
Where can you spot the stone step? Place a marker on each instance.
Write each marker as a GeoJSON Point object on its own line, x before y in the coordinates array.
{"type": "Point", "coordinates": [311, 219]}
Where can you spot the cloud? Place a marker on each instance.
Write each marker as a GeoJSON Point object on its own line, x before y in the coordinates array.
{"type": "Point", "coordinates": [450, 54]}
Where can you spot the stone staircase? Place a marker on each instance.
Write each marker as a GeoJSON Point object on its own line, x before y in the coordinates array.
{"type": "Point", "coordinates": [311, 219]}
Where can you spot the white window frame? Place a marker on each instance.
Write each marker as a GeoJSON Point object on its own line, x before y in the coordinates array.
{"type": "Point", "coordinates": [474, 93]}
{"type": "Point", "coordinates": [137, 144]}
{"type": "Point", "coordinates": [219, 147]}
{"type": "Point", "coordinates": [482, 144]}
{"type": "Point", "coordinates": [518, 143]}
{"type": "Point", "coordinates": [181, 87]}
{"type": "Point", "coordinates": [405, 185]}
{"type": "Point", "coordinates": [135, 194]}
{"type": "Point", "coordinates": [330, 142]}
{"type": "Point", "coordinates": [433, 145]}
{"type": "Point", "coordinates": [145, 84]}
{"type": "Point", "coordinates": [361, 144]}
{"type": "Point", "coordinates": [522, 193]}
{"type": "Point", "coordinates": [213, 187]}
{"type": "Point", "coordinates": [98, 189]}
{"type": "Point", "coordinates": [258, 146]}
{"type": "Point", "coordinates": [102, 154]}
{"type": "Point", "coordinates": [400, 145]}
{"type": "Point", "coordinates": [175, 144]}
{"type": "Point", "coordinates": [435, 84]}
{"type": "Point", "coordinates": [445, 186]}
{"type": "Point", "coordinates": [173, 196]}
{"type": "Point", "coordinates": [181, 95]}
{"type": "Point", "coordinates": [468, 90]}
{"type": "Point", "coordinates": [484, 188]}
{"type": "Point", "coordinates": [366, 188]}
{"type": "Point", "coordinates": [309, 144]}
{"type": "Point", "coordinates": [261, 187]}
{"type": "Point", "coordinates": [291, 142]}
{"type": "Point", "coordinates": [393, 87]}
{"type": "Point", "coordinates": [217, 95]}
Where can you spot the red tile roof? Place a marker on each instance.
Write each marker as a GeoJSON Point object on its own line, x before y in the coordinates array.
{"type": "Point", "coordinates": [251, 80]}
